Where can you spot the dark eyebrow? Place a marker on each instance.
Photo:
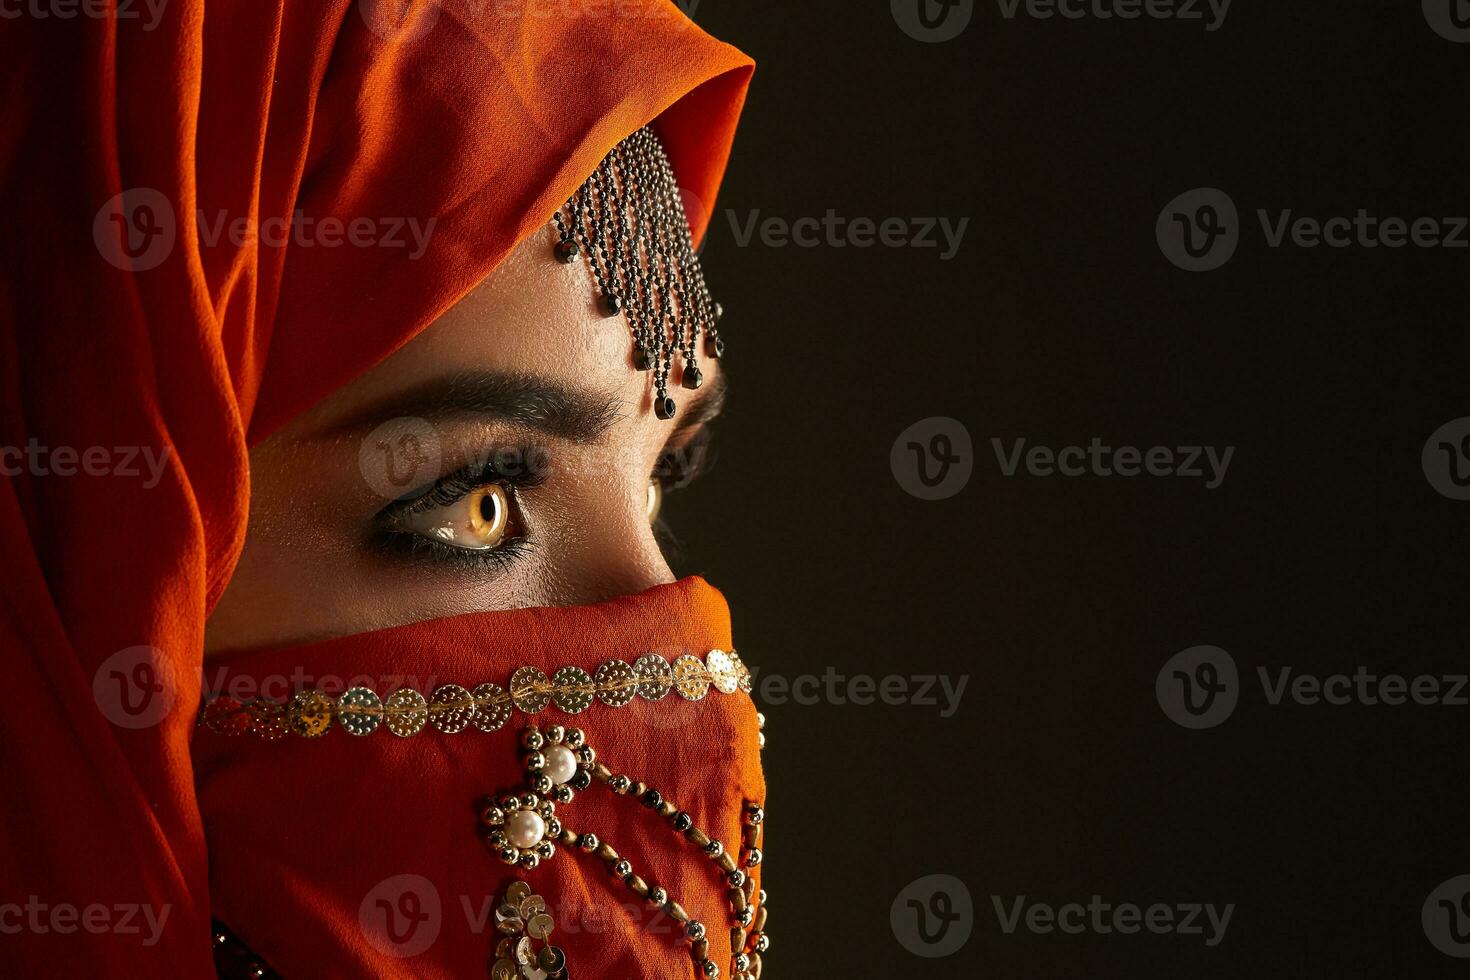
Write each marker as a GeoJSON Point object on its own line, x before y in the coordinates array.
{"type": "Point", "coordinates": [522, 399]}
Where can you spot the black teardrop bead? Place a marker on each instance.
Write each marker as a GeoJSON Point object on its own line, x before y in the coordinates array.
{"type": "Point", "coordinates": [612, 304]}
{"type": "Point", "coordinates": [641, 360]}
{"type": "Point", "coordinates": [566, 250]}
{"type": "Point", "coordinates": [692, 377]}
{"type": "Point", "coordinates": [663, 407]}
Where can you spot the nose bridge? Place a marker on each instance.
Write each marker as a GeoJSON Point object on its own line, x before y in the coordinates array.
{"type": "Point", "coordinates": [614, 553]}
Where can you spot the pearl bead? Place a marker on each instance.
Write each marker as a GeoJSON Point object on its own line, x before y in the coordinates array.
{"type": "Point", "coordinates": [525, 828]}
{"type": "Point", "coordinates": [561, 763]}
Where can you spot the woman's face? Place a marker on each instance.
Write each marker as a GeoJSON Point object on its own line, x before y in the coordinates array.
{"type": "Point", "coordinates": [502, 458]}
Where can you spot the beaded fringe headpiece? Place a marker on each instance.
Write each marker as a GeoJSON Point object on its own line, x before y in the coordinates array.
{"type": "Point", "coordinates": [628, 219]}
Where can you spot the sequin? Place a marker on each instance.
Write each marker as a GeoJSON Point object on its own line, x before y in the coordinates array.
{"type": "Point", "coordinates": [572, 691]}
{"type": "Point", "coordinates": [310, 713]}
{"type": "Point", "coordinates": [528, 690]}
{"type": "Point", "coordinates": [226, 716]}
{"type": "Point", "coordinates": [492, 707]}
{"type": "Point", "coordinates": [616, 683]}
{"type": "Point", "coordinates": [360, 711]}
{"type": "Point", "coordinates": [450, 708]}
{"type": "Point", "coordinates": [722, 671]}
{"type": "Point", "coordinates": [405, 712]}
{"type": "Point", "coordinates": [655, 677]}
{"type": "Point", "coordinates": [267, 719]}
{"type": "Point", "coordinates": [741, 671]}
{"type": "Point", "coordinates": [691, 678]}
{"type": "Point", "coordinates": [539, 926]}
{"type": "Point", "coordinates": [552, 959]}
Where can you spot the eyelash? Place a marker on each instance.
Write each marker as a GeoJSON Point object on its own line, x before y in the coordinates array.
{"type": "Point", "coordinates": [400, 542]}
{"type": "Point", "coordinates": [673, 469]}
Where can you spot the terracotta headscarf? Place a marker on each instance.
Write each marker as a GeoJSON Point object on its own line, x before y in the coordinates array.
{"type": "Point", "coordinates": [143, 350]}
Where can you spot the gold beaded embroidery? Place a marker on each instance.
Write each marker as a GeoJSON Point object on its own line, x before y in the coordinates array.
{"type": "Point", "coordinates": [451, 708]}
{"type": "Point", "coordinates": [523, 827]}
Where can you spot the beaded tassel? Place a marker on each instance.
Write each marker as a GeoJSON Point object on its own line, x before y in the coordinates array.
{"type": "Point", "coordinates": [628, 218]}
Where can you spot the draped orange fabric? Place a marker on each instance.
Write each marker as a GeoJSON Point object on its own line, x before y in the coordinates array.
{"type": "Point", "coordinates": [359, 856]}
{"type": "Point", "coordinates": [161, 310]}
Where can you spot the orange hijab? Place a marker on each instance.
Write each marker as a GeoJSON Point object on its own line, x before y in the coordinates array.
{"type": "Point", "coordinates": [143, 350]}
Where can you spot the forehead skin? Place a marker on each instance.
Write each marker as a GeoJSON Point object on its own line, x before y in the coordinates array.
{"type": "Point", "coordinates": [305, 572]}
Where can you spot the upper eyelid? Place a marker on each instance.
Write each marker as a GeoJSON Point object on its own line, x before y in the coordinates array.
{"type": "Point", "coordinates": [472, 475]}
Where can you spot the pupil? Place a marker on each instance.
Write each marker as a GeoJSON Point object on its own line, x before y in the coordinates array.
{"type": "Point", "coordinates": [488, 506]}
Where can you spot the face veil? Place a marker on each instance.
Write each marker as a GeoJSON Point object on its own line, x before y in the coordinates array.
{"type": "Point", "coordinates": [371, 800]}
{"type": "Point", "coordinates": [146, 330]}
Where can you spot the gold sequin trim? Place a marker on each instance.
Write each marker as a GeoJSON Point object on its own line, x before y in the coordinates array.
{"type": "Point", "coordinates": [451, 708]}
{"type": "Point", "coordinates": [406, 712]}
{"type": "Point", "coordinates": [691, 678]}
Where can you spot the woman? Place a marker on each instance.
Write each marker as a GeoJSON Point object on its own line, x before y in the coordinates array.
{"type": "Point", "coordinates": [401, 299]}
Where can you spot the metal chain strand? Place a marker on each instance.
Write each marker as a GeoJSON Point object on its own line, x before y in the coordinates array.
{"type": "Point", "coordinates": [629, 220]}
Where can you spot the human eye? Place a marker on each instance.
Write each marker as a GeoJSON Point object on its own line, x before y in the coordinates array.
{"type": "Point", "coordinates": [472, 517]}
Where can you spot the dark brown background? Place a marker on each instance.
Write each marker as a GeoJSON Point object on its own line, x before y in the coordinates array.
{"type": "Point", "coordinates": [1325, 548]}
